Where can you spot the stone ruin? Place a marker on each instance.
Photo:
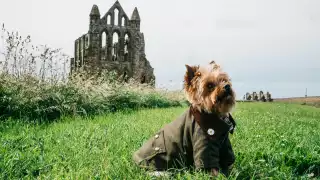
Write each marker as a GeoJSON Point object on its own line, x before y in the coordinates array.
{"type": "Point", "coordinates": [258, 97]}
{"type": "Point", "coordinates": [113, 43]}
{"type": "Point", "coordinates": [269, 97]}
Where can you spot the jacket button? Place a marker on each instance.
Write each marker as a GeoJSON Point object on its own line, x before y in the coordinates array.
{"type": "Point", "coordinates": [156, 136]}
{"type": "Point", "coordinates": [157, 148]}
{"type": "Point", "coordinates": [210, 131]}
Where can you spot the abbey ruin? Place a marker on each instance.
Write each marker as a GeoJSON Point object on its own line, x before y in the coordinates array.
{"type": "Point", "coordinates": [113, 42]}
{"type": "Point", "coordinates": [258, 97]}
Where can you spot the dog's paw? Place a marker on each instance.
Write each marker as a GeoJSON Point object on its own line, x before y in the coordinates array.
{"type": "Point", "coordinates": [214, 172]}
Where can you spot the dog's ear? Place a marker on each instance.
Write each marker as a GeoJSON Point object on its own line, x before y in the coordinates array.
{"type": "Point", "coordinates": [214, 65]}
{"type": "Point", "coordinates": [190, 74]}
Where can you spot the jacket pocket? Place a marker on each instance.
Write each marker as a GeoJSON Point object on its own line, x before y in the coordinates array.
{"type": "Point", "coordinates": [153, 150]}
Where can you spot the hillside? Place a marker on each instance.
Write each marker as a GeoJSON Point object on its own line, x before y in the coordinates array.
{"type": "Point", "coordinates": [312, 100]}
{"type": "Point", "coordinates": [272, 140]}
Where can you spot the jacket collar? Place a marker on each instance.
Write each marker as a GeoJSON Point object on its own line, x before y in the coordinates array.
{"type": "Point", "coordinates": [212, 124]}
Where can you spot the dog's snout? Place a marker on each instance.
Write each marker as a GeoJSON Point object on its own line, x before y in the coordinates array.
{"type": "Point", "coordinates": [227, 87]}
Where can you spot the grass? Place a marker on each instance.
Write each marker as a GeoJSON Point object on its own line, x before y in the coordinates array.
{"type": "Point", "coordinates": [275, 140]}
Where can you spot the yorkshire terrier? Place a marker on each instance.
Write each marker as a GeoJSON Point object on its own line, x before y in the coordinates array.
{"type": "Point", "coordinates": [200, 136]}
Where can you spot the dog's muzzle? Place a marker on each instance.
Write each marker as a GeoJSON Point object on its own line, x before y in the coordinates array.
{"type": "Point", "coordinates": [227, 89]}
{"type": "Point", "coordinates": [227, 92]}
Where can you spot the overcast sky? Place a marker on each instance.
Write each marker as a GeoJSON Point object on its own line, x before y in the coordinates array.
{"type": "Point", "coordinates": [264, 45]}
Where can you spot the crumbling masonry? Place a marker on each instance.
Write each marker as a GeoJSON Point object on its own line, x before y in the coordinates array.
{"type": "Point", "coordinates": [113, 42]}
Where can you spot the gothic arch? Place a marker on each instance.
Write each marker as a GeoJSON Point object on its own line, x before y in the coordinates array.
{"type": "Point", "coordinates": [118, 32]}
{"type": "Point", "coordinates": [127, 32]}
{"type": "Point", "coordinates": [124, 21]}
{"type": "Point", "coordinates": [106, 30]}
{"type": "Point", "coordinates": [126, 36]}
{"type": "Point", "coordinates": [87, 41]}
{"type": "Point", "coordinates": [108, 18]}
{"type": "Point", "coordinates": [126, 45]}
{"type": "Point", "coordinates": [143, 79]}
{"type": "Point", "coordinates": [104, 39]}
{"type": "Point", "coordinates": [82, 51]}
{"type": "Point", "coordinates": [116, 13]}
{"type": "Point", "coordinates": [78, 52]}
{"type": "Point", "coordinates": [115, 45]}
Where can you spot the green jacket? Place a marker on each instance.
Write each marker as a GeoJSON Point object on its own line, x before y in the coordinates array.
{"type": "Point", "coordinates": [193, 139]}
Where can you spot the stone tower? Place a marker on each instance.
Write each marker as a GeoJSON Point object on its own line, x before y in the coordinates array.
{"type": "Point", "coordinates": [113, 42]}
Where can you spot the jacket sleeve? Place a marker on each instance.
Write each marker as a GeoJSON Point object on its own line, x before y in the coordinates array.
{"type": "Point", "coordinates": [205, 150]}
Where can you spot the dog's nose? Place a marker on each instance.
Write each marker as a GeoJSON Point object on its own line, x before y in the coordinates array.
{"type": "Point", "coordinates": [227, 88]}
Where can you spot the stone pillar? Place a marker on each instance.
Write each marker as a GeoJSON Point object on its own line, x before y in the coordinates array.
{"type": "Point", "coordinates": [109, 48]}
{"type": "Point", "coordinates": [121, 47]}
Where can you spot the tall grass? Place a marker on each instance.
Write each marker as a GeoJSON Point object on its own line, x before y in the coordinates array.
{"type": "Point", "coordinates": [34, 87]}
{"type": "Point", "coordinates": [19, 57]}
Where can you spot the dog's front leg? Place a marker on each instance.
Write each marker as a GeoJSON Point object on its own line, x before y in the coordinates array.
{"type": "Point", "coordinates": [214, 172]}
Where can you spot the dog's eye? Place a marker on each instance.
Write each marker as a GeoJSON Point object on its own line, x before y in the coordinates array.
{"type": "Point", "coordinates": [210, 86]}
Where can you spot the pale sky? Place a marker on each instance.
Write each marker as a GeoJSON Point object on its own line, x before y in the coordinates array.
{"type": "Point", "coordinates": [269, 45]}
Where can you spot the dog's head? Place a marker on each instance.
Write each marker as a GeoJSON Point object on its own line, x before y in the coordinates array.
{"type": "Point", "coordinates": [209, 89]}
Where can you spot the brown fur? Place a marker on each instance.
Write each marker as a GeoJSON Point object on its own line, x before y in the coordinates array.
{"type": "Point", "coordinates": [204, 88]}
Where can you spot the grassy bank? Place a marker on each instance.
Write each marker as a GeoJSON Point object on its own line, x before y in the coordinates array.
{"type": "Point", "coordinates": [30, 99]}
{"type": "Point", "coordinates": [272, 140]}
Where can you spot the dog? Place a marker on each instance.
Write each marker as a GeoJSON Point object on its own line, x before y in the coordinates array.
{"type": "Point", "coordinates": [199, 137]}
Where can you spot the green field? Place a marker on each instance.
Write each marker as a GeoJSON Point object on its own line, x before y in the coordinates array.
{"type": "Point", "coordinates": [275, 140]}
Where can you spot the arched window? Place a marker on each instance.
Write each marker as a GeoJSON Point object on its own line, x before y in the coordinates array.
{"type": "Point", "coordinates": [87, 41]}
{"type": "Point", "coordinates": [78, 52]}
{"type": "Point", "coordinates": [116, 16]}
{"type": "Point", "coordinates": [80, 42]}
{"type": "Point", "coordinates": [123, 20]}
{"type": "Point", "coordinates": [104, 39]}
{"type": "Point", "coordinates": [126, 43]}
{"type": "Point", "coordinates": [108, 19]}
{"type": "Point", "coordinates": [115, 46]}
{"type": "Point", "coordinates": [82, 50]}
{"type": "Point", "coordinates": [143, 79]}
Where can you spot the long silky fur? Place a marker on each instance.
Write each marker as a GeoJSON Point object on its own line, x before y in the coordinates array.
{"type": "Point", "coordinates": [195, 80]}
